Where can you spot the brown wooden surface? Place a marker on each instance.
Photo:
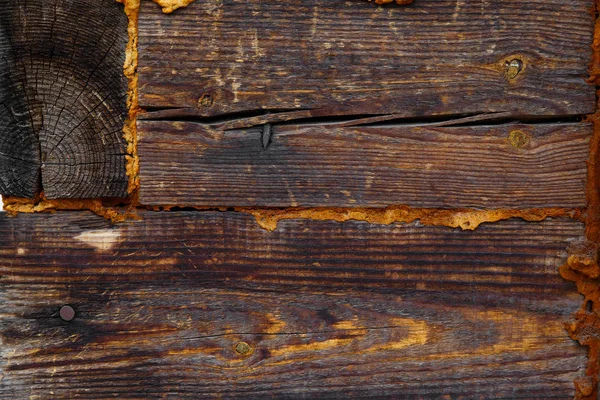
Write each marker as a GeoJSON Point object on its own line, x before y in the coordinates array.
{"type": "Point", "coordinates": [328, 309]}
{"type": "Point", "coordinates": [440, 104]}
{"type": "Point", "coordinates": [325, 165]}
{"type": "Point", "coordinates": [428, 58]}
{"type": "Point", "coordinates": [62, 98]}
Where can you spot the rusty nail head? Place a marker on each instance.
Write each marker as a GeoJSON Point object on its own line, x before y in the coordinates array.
{"type": "Point", "coordinates": [243, 348]}
{"type": "Point", "coordinates": [67, 313]}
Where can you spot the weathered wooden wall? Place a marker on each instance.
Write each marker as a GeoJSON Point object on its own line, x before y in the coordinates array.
{"type": "Point", "coordinates": [397, 125]}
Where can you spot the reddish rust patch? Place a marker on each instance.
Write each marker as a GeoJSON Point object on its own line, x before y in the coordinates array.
{"type": "Point", "coordinates": [168, 6]}
{"type": "Point", "coordinates": [584, 325]}
{"type": "Point", "coordinates": [107, 208]}
{"type": "Point", "coordinates": [593, 196]}
{"type": "Point", "coordinates": [132, 8]}
{"type": "Point", "coordinates": [595, 65]}
{"type": "Point", "coordinates": [582, 264]}
{"type": "Point", "coordinates": [465, 219]}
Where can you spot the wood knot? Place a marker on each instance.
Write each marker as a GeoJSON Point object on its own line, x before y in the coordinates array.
{"type": "Point", "coordinates": [518, 139]}
{"type": "Point", "coordinates": [206, 100]}
{"type": "Point", "coordinates": [513, 68]}
{"type": "Point", "coordinates": [243, 348]}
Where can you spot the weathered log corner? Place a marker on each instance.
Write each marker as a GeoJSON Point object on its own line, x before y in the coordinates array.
{"type": "Point", "coordinates": [64, 99]}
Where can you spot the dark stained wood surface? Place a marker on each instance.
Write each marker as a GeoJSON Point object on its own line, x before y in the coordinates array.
{"type": "Point", "coordinates": [326, 309]}
{"type": "Point", "coordinates": [518, 166]}
{"type": "Point", "coordinates": [351, 57]}
{"type": "Point", "coordinates": [62, 98]}
{"type": "Point", "coordinates": [19, 146]}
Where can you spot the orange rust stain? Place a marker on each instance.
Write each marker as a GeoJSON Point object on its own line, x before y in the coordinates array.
{"type": "Point", "coordinates": [595, 64]}
{"type": "Point", "coordinates": [102, 207]}
{"type": "Point", "coordinates": [130, 69]}
{"type": "Point", "coordinates": [582, 263]}
{"type": "Point", "coordinates": [584, 325]}
{"type": "Point", "coordinates": [582, 269]}
{"type": "Point", "coordinates": [463, 218]}
{"type": "Point", "coordinates": [132, 8]}
{"type": "Point", "coordinates": [583, 258]}
{"type": "Point", "coordinates": [592, 194]}
{"type": "Point", "coordinates": [168, 6]}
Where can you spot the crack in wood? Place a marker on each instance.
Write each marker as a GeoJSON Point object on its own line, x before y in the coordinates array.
{"type": "Point", "coordinates": [347, 118]}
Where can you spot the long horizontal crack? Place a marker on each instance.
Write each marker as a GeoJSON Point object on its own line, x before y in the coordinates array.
{"type": "Point", "coordinates": [236, 120]}
{"type": "Point", "coordinates": [344, 118]}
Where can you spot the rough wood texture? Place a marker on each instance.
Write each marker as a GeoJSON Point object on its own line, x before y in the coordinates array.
{"type": "Point", "coordinates": [19, 146]}
{"type": "Point", "coordinates": [428, 58]}
{"type": "Point", "coordinates": [331, 309]}
{"type": "Point", "coordinates": [63, 98]}
{"type": "Point", "coordinates": [518, 166]}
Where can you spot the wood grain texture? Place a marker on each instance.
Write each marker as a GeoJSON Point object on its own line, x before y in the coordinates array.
{"type": "Point", "coordinates": [19, 145]}
{"type": "Point", "coordinates": [351, 57]}
{"type": "Point", "coordinates": [326, 165]}
{"type": "Point", "coordinates": [327, 309]}
{"type": "Point", "coordinates": [63, 96]}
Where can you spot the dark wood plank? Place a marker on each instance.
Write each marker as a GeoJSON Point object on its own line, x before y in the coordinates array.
{"type": "Point", "coordinates": [326, 309]}
{"type": "Point", "coordinates": [352, 57]}
{"type": "Point", "coordinates": [518, 166]}
{"type": "Point", "coordinates": [63, 97]}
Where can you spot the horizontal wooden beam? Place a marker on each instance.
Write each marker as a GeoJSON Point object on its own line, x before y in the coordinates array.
{"type": "Point", "coordinates": [515, 166]}
{"type": "Point", "coordinates": [207, 304]}
{"type": "Point", "coordinates": [428, 58]}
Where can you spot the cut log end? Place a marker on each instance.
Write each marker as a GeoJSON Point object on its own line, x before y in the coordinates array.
{"type": "Point", "coordinates": [63, 97]}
